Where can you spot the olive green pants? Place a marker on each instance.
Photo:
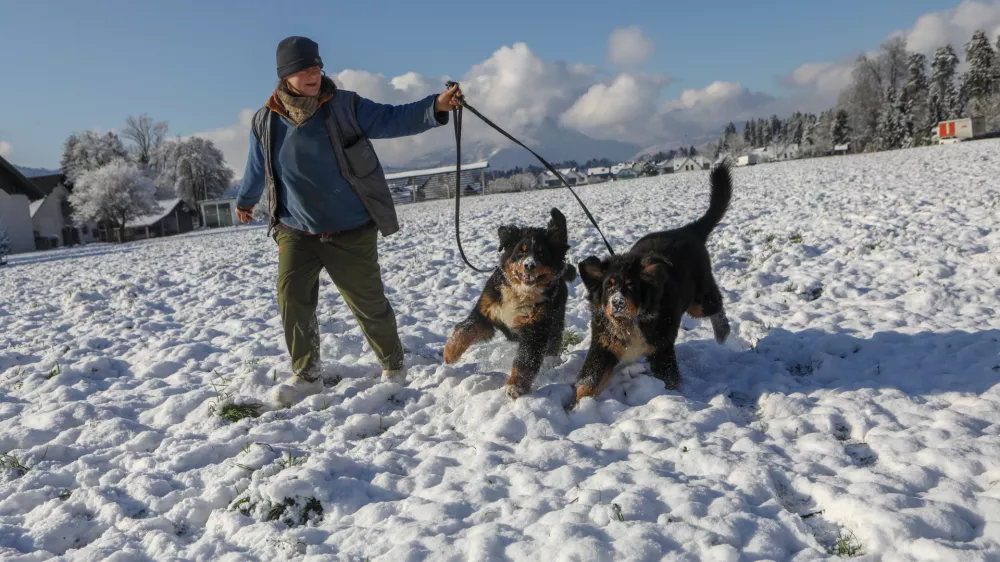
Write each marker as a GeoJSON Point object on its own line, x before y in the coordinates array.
{"type": "Point", "coordinates": [351, 260]}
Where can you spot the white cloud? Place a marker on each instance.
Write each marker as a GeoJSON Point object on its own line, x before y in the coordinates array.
{"type": "Point", "coordinates": [5, 148]}
{"type": "Point", "coordinates": [825, 80]}
{"type": "Point", "coordinates": [233, 140]}
{"type": "Point", "coordinates": [954, 26]}
{"type": "Point", "coordinates": [628, 46]}
{"type": "Point", "coordinates": [622, 109]}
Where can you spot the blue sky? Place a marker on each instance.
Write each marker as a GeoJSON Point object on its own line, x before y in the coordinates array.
{"type": "Point", "coordinates": [71, 65]}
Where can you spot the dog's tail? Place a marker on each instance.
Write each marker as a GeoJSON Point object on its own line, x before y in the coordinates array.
{"type": "Point", "coordinates": [722, 192]}
{"type": "Point", "coordinates": [569, 274]}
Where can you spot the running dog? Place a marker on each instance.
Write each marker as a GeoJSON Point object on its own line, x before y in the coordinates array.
{"type": "Point", "coordinates": [637, 299]}
{"type": "Point", "coordinates": [524, 299]}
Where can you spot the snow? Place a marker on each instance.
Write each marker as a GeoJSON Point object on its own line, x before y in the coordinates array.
{"type": "Point", "coordinates": [858, 397]}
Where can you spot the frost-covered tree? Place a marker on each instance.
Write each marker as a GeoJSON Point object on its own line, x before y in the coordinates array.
{"type": "Point", "coordinates": [646, 167]}
{"type": "Point", "coordinates": [916, 102]}
{"type": "Point", "coordinates": [515, 183]}
{"type": "Point", "coordinates": [146, 135]}
{"type": "Point", "coordinates": [891, 132]}
{"type": "Point", "coordinates": [4, 244]}
{"type": "Point", "coordinates": [840, 128]}
{"type": "Point", "coordinates": [192, 169]}
{"type": "Point", "coordinates": [981, 62]}
{"type": "Point", "coordinates": [748, 136]}
{"type": "Point", "coordinates": [117, 192]}
{"type": "Point", "coordinates": [943, 95]}
{"type": "Point", "coordinates": [88, 151]}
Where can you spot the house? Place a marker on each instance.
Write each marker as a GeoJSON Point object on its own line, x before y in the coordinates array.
{"type": "Point", "coordinates": [747, 160]}
{"type": "Point", "coordinates": [842, 148]}
{"type": "Point", "coordinates": [174, 217]}
{"type": "Point", "coordinates": [52, 216]}
{"type": "Point", "coordinates": [16, 193]}
{"type": "Point", "coordinates": [217, 213]}
{"type": "Point", "coordinates": [665, 167]}
{"type": "Point", "coordinates": [598, 175]}
{"type": "Point", "coordinates": [691, 163]}
{"type": "Point", "coordinates": [626, 173]}
{"type": "Point", "coordinates": [787, 152]}
{"type": "Point", "coordinates": [572, 176]}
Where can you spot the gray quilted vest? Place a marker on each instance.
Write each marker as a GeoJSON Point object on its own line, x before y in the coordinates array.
{"type": "Point", "coordinates": [355, 155]}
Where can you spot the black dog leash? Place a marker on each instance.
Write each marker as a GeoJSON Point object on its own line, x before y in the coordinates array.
{"type": "Point", "coordinates": [457, 114]}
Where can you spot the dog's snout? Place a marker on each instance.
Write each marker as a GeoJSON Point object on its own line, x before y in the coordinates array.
{"type": "Point", "coordinates": [618, 301]}
{"type": "Point", "coordinates": [529, 263]}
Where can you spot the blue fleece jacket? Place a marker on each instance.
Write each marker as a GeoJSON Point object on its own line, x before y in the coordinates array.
{"type": "Point", "coordinates": [313, 195]}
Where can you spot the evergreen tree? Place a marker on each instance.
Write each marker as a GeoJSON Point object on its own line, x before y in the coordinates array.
{"type": "Point", "coordinates": [980, 78]}
{"type": "Point", "coordinates": [891, 131]}
{"type": "Point", "coordinates": [916, 108]}
{"type": "Point", "coordinates": [944, 97]}
{"type": "Point", "coordinates": [748, 137]}
{"type": "Point", "coordinates": [841, 130]}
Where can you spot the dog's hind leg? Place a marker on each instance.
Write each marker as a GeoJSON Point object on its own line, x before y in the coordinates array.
{"type": "Point", "coordinates": [466, 333]}
{"type": "Point", "coordinates": [720, 326]}
{"type": "Point", "coordinates": [712, 307]}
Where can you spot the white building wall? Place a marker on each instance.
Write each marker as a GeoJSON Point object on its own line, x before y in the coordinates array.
{"type": "Point", "coordinates": [15, 213]}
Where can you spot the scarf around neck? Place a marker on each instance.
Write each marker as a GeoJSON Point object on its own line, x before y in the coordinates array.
{"type": "Point", "coordinates": [300, 108]}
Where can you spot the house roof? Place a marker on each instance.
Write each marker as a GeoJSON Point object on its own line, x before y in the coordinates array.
{"type": "Point", "coordinates": [600, 171]}
{"type": "Point", "coordinates": [435, 171]}
{"type": "Point", "coordinates": [167, 206]}
{"type": "Point", "coordinates": [35, 205]}
{"type": "Point", "coordinates": [48, 183]}
{"type": "Point", "coordinates": [21, 185]}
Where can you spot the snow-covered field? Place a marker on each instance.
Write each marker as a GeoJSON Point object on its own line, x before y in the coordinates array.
{"type": "Point", "coordinates": [855, 409]}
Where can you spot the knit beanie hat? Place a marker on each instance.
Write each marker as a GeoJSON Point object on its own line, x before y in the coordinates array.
{"type": "Point", "coordinates": [296, 54]}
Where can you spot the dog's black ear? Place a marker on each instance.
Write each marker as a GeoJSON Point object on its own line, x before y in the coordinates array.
{"type": "Point", "coordinates": [592, 272]}
{"type": "Point", "coordinates": [557, 229]}
{"type": "Point", "coordinates": [653, 269]}
{"type": "Point", "coordinates": [509, 234]}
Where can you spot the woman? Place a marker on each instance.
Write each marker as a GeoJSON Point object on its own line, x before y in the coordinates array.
{"type": "Point", "coordinates": [327, 201]}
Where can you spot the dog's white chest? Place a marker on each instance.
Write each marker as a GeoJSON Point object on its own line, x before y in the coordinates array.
{"type": "Point", "coordinates": [634, 346]}
{"type": "Point", "coordinates": [517, 306]}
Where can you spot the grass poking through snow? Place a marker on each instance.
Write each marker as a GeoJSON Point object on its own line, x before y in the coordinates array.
{"type": "Point", "coordinates": [236, 412]}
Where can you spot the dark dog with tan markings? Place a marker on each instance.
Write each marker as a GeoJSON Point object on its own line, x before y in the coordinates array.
{"type": "Point", "coordinates": [524, 299]}
{"type": "Point", "coordinates": [637, 299]}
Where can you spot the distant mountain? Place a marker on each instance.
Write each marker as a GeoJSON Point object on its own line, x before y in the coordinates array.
{"type": "Point", "coordinates": [554, 143]}
{"type": "Point", "coordinates": [35, 172]}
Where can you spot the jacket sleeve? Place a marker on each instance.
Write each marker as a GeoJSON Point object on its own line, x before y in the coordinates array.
{"type": "Point", "coordinates": [252, 186]}
{"type": "Point", "coordinates": [383, 121]}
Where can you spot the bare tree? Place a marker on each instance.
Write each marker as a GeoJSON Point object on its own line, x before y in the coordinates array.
{"type": "Point", "coordinates": [146, 134]}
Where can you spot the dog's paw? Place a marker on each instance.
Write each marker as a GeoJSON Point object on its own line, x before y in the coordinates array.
{"type": "Point", "coordinates": [720, 326]}
{"type": "Point", "coordinates": [514, 392]}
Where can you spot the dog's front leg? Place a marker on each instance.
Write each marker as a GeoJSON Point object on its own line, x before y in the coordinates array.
{"type": "Point", "coordinates": [467, 332]}
{"type": "Point", "coordinates": [596, 372]}
{"type": "Point", "coordinates": [527, 362]}
{"type": "Point", "coordinates": [663, 362]}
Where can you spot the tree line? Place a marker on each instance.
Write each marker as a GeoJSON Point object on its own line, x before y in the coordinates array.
{"type": "Point", "coordinates": [114, 183]}
{"type": "Point", "coordinates": [894, 100]}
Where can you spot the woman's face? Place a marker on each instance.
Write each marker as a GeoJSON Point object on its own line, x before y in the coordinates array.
{"type": "Point", "coordinates": [306, 82]}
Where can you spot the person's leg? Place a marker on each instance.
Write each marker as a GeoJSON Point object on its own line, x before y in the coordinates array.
{"type": "Point", "coordinates": [351, 259]}
{"type": "Point", "coordinates": [299, 267]}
